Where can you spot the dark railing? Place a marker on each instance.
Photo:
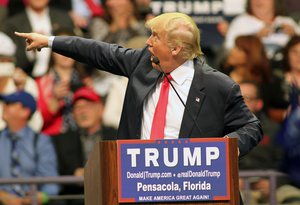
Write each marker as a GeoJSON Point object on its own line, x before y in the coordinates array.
{"type": "Point", "coordinates": [271, 174]}
{"type": "Point", "coordinates": [34, 181]}
{"type": "Point", "coordinates": [246, 175]}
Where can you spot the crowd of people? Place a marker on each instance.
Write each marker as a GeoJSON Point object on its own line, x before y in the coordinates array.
{"type": "Point", "coordinates": [53, 108]}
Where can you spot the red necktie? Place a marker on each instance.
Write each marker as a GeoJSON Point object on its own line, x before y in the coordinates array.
{"type": "Point", "coordinates": [159, 118]}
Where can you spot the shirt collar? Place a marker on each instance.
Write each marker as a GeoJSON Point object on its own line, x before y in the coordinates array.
{"type": "Point", "coordinates": [34, 14]}
{"type": "Point", "coordinates": [23, 133]}
{"type": "Point", "coordinates": [183, 72]}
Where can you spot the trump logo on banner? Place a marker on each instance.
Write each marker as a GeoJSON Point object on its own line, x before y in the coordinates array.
{"type": "Point", "coordinates": [173, 170]}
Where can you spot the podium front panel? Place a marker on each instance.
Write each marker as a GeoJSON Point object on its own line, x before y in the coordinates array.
{"type": "Point", "coordinates": [173, 170]}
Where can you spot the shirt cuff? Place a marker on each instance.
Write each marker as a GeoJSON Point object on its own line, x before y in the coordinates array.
{"type": "Point", "coordinates": [50, 41]}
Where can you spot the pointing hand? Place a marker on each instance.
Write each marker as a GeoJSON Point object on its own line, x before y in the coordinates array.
{"type": "Point", "coordinates": [34, 40]}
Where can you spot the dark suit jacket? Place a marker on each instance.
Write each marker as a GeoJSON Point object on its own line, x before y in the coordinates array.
{"type": "Point", "coordinates": [20, 23]}
{"type": "Point", "coordinates": [220, 111]}
{"type": "Point", "coordinates": [70, 154]}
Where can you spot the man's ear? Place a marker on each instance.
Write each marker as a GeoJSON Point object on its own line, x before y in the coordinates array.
{"type": "Point", "coordinates": [176, 50]}
{"type": "Point", "coordinates": [27, 113]}
{"type": "Point", "coordinates": [259, 104]}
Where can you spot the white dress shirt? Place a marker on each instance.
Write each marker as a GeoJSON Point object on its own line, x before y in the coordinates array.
{"type": "Point", "coordinates": [40, 23]}
{"type": "Point", "coordinates": [181, 79]}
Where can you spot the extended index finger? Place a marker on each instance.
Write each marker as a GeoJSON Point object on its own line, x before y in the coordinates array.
{"type": "Point", "coordinates": [24, 35]}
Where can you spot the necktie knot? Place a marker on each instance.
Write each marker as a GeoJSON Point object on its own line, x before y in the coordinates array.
{"type": "Point", "coordinates": [14, 137]}
{"type": "Point", "coordinates": [168, 76]}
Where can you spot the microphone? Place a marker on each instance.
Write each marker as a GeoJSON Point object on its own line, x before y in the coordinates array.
{"type": "Point", "coordinates": [157, 62]}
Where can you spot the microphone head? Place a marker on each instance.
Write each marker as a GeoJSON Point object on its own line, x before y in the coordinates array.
{"type": "Point", "coordinates": [155, 60]}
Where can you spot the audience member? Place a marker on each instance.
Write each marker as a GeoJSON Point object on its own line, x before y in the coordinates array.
{"type": "Point", "coordinates": [289, 136]}
{"type": "Point", "coordinates": [265, 19]}
{"type": "Point", "coordinates": [13, 79]}
{"type": "Point", "coordinates": [247, 61]}
{"type": "Point", "coordinates": [288, 76]}
{"type": "Point", "coordinates": [266, 155]}
{"type": "Point", "coordinates": [73, 147]}
{"type": "Point", "coordinates": [56, 89]}
{"type": "Point", "coordinates": [292, 61]}
{"type": "Point", "coordinates": [24, 153]}
{"type": "Point", "coordinates": [84, 12]}
{"type": "Point", "coordinates": [120, 23]}
{"type": "Point", "coordinates": [40, 18]}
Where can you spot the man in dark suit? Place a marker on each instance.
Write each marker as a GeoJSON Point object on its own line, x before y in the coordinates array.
{"type": "Point", "coordinates": [213, 107]}
{"type": "Point", "coordinates": [36, 17]}
{"type": "Point", "coordinates": [73, 147]}
{"type": "Point", "coordinates": [202, 101]}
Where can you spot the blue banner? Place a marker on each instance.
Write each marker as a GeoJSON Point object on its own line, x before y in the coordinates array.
{"type": "Point", "coordinates": [173, 170]}
{"type": "Point", "coordinates": [208, 15]}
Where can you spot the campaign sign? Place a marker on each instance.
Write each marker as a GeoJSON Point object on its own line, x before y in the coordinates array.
{"type": "Point", "coordinates": [173, 170]}
{"type": "Point", "coordinates": [207, 14]}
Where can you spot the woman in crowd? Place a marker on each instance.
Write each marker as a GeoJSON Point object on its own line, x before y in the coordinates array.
{"type": "Point", "coordinates": [292, 61]}
{"type": "Point", "coordinates": [264, 19]}
{"type": "Point", "coordinates": [247, 61]}
{"type": "Point", "coordinates": [56, 91]}
{"type": "Point", "coordinates": [120, 23]}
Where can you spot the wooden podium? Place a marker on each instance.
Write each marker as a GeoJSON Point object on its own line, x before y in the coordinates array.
{"type": "Point", "coordinates": [101, 177]}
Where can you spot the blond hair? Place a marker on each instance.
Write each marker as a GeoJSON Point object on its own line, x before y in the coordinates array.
{"type": "Point", "coordinates": [180, 30]}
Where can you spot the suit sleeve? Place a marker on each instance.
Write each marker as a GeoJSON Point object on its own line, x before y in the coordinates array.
{"type": "Point", "coordinates": [104, 56]}
{"type": "Point", "coordinates": [240, 122]}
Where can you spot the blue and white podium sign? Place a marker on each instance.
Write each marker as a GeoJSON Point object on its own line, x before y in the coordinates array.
{"type": "Point", "coordinates": [173, 170]}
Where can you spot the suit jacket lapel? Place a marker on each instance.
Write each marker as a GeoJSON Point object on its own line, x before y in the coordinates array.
{"type": "Point", "coordinates": [194, 101]}
{"type": "Point", "coordinates": [144, 84]}
{"type": "Point", "coordinates": [25, 26]}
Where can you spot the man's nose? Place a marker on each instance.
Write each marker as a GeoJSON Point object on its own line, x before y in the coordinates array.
{"type": "Point", "coordinates": [149, 41]}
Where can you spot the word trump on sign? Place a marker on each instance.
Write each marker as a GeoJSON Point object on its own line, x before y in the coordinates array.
{"type": "Point", "coordinates": [170, 156]}
{"type": "Point", "coordinates": [173, 170]}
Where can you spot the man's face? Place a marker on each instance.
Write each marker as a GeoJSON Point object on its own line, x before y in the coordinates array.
{"type": "Point", "coordinates": [294, 57]}
{"type": "Point", "coordinates": [87, 114]}
{"type": "Point", "coordinates": [249, 93]}
{"type": "Point", "coordinates": [261, 6]}
{"type": "Point", "coordinates": [12, 112]}
{"type": "Point", "coordinates": [38, 5]}
{"type": "Point", "coordinates": [158, 47]}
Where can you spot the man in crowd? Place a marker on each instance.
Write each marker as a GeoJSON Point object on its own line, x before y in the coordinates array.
{"type": "Point", "coordinates": [24, 153]}
{"type": "Point", "coordinates": [36, 17]}
{"type": "Point", "coordinates": [73, 147]}
{"type": "Point", "coordinates": [13, 79]}
{"type": "Point", "coordinates": [266, 155]}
